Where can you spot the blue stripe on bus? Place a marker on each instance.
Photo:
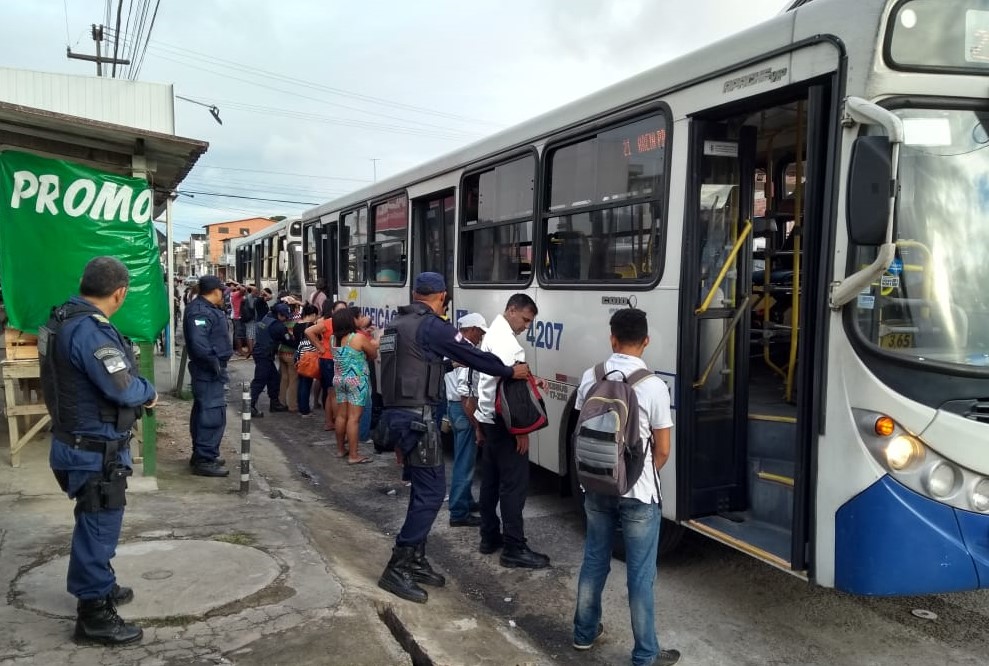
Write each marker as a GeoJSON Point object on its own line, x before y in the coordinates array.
{"type": "Point", "coordinates": [890, 540]}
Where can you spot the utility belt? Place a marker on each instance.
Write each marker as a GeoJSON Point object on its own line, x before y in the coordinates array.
{"type": "Point", "coordinates": [428, 451]}
{"type": "Point", "coordinates": [107, 488]}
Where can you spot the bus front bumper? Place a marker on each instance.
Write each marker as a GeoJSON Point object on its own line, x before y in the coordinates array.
{"type": "Point", "coordinates": [890, 540]}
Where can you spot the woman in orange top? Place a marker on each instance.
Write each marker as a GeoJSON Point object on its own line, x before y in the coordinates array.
{"type": "Point", "coordinates": [321, 335]}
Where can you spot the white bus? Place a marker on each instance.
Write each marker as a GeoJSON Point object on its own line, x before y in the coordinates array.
{"type": "Point", "coordinates": [272, 258]}
{"type": "Point", "coordinates": [802, 211]}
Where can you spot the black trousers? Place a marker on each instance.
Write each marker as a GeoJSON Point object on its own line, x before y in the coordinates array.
{"type": "Point", "coordinates": [504, 480]}
{"type": "Point", "coordinates": [265, 376]}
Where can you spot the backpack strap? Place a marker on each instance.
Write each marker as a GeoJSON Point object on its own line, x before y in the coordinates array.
{"type": "Point", "coordinates": [639, 375]}
{"type": "Point", "coordinates": [599, 372]}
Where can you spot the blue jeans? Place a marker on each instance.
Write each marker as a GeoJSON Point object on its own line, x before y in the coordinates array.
{"type": "Point", "coordinates": [304, 393]}
{"type": "Point", "coordinates": [640, 527]}
{"type": "Point", "coordinates": [464, 451]}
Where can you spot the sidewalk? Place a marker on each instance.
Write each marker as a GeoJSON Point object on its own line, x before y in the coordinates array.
{"type": "Point", "coordinates": [276, 577]}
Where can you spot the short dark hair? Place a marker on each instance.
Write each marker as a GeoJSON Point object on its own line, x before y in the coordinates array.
{"type": "Point", "coordinates": [629, 326]}
{"type": "Point", "coordinates": [102, 276]}
{"type": "Point", "coordinates": [522, 302]}
{"type": "Point", "coordinates": [343, 324]}
{"type": "Point", "coordinates": [356, 311]}
{"type": "Point", "coordinates": [309, 309]}
{"type": "Point", "coordinates": [329, 307]}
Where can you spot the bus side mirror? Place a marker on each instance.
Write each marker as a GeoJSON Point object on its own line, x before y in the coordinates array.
{"type": "Point", "coordinates": [869, 180]}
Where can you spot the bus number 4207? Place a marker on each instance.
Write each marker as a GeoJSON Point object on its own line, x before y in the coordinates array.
{"type": "Point", "coordinates": [545, 335]}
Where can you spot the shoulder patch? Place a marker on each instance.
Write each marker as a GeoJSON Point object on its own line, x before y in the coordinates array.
{"type": "Point", "coordinates": [200, 322]}
{"type": "Point", "coordinates": [111, 358]}
{"type": "Point", "coordinates": [459, 337]}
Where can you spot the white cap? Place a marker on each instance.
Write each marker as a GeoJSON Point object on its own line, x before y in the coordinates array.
{"type": "Point", "coordinates": [473, 320]}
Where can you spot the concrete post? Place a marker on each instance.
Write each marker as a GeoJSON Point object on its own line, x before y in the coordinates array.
{"type": "Point", "coordinates": [245, 438]}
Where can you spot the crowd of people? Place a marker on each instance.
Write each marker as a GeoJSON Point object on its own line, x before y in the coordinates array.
{"type": "Point", "coordinates": [318, 356]}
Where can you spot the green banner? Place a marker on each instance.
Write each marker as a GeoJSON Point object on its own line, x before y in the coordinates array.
{"type": "Point", "coordinates": [54, 217]}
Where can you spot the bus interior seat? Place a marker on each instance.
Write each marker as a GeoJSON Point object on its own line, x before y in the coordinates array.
{"type": "Point", "coordinates": [570, 254]}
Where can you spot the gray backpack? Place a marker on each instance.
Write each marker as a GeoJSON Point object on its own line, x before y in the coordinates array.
{"type": "Point", "coordinates": [609, 452]}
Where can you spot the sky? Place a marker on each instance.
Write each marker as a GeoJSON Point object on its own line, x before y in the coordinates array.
{"type": "Point", "coordinates": [319, 97]}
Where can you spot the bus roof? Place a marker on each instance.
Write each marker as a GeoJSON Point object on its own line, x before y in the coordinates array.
{"type": "Point", "coordinates": [730, 53]}
{"type": "Point", "coordinates": [273, 230]}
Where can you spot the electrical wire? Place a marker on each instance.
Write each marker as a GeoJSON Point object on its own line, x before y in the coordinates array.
{"type": "Point", "coordinates": [147, 39]}
{"type": "Point", "coordinates": [240, 196]}
{"type": "Point", "coordinates": [281, 173]}
{"type": "Point", "coordinates": [65, 4]}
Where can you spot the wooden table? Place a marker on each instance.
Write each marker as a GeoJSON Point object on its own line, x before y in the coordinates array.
{"type": "Point", "coordinates": [25, 406]}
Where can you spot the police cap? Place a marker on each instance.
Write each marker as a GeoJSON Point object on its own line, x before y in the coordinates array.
{"type": "Point", "coordinates": [429, 283]}
{"type": "Point", "coordinates": [208, 283]}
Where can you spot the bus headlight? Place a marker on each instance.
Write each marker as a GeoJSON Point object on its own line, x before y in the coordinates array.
{"type": "Point", "coordinates": [980, 496]}
{"type": "Point", "coordinates": [903, 451]}
{"type": "Point", "coordinates": [942, 480]}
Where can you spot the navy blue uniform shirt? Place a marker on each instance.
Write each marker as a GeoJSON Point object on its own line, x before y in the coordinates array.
{"type": "Point", "coordinates": [103, 355]}
{"type": "Point", "coordinates": [439, 339]}
{"type": "Point", "coordinates": [207, 339]}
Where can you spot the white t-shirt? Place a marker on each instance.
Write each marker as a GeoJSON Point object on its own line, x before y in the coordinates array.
{"type": "Point", "coordinates": [654, 414]}
{"type": "Point", "coordinates": [502, 342]}
{"type": "Point", "coordinates": [452, 380]}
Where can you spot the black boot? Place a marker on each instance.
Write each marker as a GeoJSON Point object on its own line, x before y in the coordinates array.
{"type": "Point", "coordinates": [278, 407]}
{"type": "Point", "coordinates": [397, 578]}
{"type": "Point", "coordinates": [422, 570]}
{"type": "Point", "coordinates": [122, 595]}
{"type": "Point", "coordinates": [98, 622]}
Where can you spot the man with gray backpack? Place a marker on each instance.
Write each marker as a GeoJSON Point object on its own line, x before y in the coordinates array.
{"type": "Point", "coordinates": [621, 441]}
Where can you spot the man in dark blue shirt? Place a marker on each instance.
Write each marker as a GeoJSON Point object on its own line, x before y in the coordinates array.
{"type": "Point", "coordinates": [271, 332]}
{"type": "Point", "coordinates": [208, 343]}
{"type": "Point", "coordinates": [413, 350]}
{"type": "Point", "coordinates": [94, 396]}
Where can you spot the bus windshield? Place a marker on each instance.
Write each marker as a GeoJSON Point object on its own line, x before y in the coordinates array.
{"type": "Point", "coordinates": [932, 303]}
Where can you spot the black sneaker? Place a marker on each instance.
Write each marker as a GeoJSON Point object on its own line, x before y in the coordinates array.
{"type": "Point", "coordinates": [210, 469]}
{"type": "Point", "coordinates": [256, 413]}
{"type": "Point", "coordinates": [278, 407]}
{"type": "Point", "coordinates": [195, 461]}
{"type": "Point", "coordinates": [588, 646]}
{"type": "Point", "coordinates": [667, 658]}
{"type": "Point", "coordinates": [522, 557]}
{"type": "Point", "coordinates": [469, 521]}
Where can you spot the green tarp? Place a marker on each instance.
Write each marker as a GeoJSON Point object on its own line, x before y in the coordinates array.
{"type": "Point", "coordinates": [54, 217]}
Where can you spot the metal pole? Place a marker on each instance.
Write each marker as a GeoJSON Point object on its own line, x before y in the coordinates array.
{"type": "Point", "coordinates": [245, 438]}
{"type": "Point", "coordinates": [169, 239]}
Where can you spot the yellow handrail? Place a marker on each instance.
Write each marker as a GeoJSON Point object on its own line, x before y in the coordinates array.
{"type": "Point", "coordinates": [797, 221]}
{"type": "Point", "coordinates": [746, 230]}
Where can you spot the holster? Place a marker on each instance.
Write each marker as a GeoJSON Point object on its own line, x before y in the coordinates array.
{"type": "Point", "coordinates": [108, 489]}
{"type": "Point", "coordinates": [429, 451]}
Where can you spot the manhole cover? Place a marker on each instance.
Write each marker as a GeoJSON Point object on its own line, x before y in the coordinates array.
{"type": "Point", "coordinates": [924, 614]}
{"type": "Point", "coordinates": [202, 582]}
{"type": "Point", "coordinates": [157, 574]}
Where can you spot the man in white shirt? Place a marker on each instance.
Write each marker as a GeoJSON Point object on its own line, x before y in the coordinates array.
{"type": "Point", "coordinates": [638, 510]}
{"type": "Point", "coordinates": [505, 459]}
{"type": "Point", "coordinates": [461, 393]}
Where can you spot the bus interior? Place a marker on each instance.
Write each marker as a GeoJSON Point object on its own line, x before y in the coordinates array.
{"type": "Point", "coordinates": [745, 285]}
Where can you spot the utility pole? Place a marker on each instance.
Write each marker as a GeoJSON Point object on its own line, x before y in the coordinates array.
{"type": "Point", "coordinates": [98, 58]}
{"type": "Point", "coordinates": [374, 165]}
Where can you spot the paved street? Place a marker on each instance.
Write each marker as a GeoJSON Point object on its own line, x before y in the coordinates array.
{"type": "Point", "coordinates": [715, 605]}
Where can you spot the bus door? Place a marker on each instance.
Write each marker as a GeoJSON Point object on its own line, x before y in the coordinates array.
{"type": "Point", "coordinates": [326, 260]}
{"type": "Point", "coordinates": [711, 446]}
{"type": "Point", "coordinates": [433, 228]}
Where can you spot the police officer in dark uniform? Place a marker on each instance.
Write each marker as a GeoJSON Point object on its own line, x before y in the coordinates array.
{"type": "Point", "coordinates": [94, 396]}
{"type": "Point", "coordinates": [271, 332]}
{"type": "Point", "coordinates": [208, 342]}
{"type": "Point", "coordinates": [412, 352]}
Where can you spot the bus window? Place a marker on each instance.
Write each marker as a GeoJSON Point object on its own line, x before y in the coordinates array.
{"type": "Point", "coordinates": [603, 221]}
{"type": "Point", "coordinates": [496, 228]}
{"type": "Point", "coordinates": [353, 247]}
{"type": "Point", "coordinates": [389, 231]}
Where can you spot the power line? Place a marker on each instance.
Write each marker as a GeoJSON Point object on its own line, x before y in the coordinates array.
{"type": "Point", "coordinates": [116, 38]}
{"type": "Point", "coordinates": [305, 84]}
{"type": "Point", "coordinates": [282, 173]}
{"type": "Point", "coordinates": [65, 4]}
{"type": "Point", "coordinates": [147, 38]}
{"type": "Point", "coordinates": [239, 196]}
{"type": "Point", "coordinates": [231, 64]}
